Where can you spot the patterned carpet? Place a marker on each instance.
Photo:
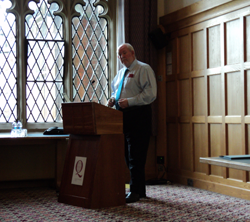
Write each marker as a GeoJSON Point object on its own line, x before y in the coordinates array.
{"type": "Point", "coordinates": [164, 203]}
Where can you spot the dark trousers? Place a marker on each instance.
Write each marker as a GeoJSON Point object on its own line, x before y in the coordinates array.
{"type": "Point", "coordinates": [137, 131]}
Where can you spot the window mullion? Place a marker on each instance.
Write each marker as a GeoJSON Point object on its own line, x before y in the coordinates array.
{"type": "Point", "coordinates": [21, 63]}
{"type": "Point", "coordinates": [67, 35]}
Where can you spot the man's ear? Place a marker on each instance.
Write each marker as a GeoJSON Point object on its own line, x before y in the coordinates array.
{"type": "Point", "coordinates": [133, 53]}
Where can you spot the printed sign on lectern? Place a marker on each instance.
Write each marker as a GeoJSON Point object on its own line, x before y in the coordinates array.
{"type": "Point", "coordinates": [79, 170]}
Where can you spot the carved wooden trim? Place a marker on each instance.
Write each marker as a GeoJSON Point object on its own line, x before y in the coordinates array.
{"type": "Point", "coordinates": [199, 12]}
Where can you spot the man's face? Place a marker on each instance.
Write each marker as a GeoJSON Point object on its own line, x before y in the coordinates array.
{"type": "Point", "coordinates": [126, 56]}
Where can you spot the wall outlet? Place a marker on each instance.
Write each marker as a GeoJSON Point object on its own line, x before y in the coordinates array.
{"type": "Point", "coordinates": [159, 78]}
{"type": "Point", "coordinates": [160, 159]}
{"type": "Point", "coordinates": [190, 182]}
{"type": "Point", "coordinates": [160, 168]}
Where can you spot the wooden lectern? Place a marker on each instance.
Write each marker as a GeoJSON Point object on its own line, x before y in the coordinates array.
{"type": "Point", "coordinates": [94, 169]}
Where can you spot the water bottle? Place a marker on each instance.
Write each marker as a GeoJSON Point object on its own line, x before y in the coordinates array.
{"type": "Point", "coordinates": [19, 128]}
{"type": "Point", "coordinates": [14, 125]}
{"type": "Point", "coordinates": [14, 129]}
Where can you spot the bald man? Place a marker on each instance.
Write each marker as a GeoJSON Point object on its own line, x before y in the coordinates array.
{"type": "Point", "coordinates": [133, 90]}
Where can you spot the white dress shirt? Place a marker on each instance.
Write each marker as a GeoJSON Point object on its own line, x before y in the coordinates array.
{"type": "Point", "coordinates": [139, 86]}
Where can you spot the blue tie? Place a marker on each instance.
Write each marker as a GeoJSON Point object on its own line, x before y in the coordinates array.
{"type": "Point", "coordinates": [119, 91]}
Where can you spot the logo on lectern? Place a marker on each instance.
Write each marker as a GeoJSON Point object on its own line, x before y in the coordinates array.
{"type": "Point", "coordinates": [79, 167]}
{"type": "Point", "coordinates": [79, 170]}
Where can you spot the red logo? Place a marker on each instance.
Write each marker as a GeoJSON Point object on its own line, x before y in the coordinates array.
{"type": "Point", "coordinates": [79, 166]}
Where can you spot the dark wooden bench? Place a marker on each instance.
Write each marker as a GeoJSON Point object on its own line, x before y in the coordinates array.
{"type": "Point", "coordinates": [34, 139]}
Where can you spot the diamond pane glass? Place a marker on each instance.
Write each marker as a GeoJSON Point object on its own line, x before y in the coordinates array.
{"type": "Point", "coordinates": [8, 83]}
{"type": "Point", "coordinates": [43, 24]}
{"type": "Point", "coordinates": [90, 55]}
{"type": "Point", "coordinates": [44, 80]}
{"type": "Point", "coordinates": [45, 64]}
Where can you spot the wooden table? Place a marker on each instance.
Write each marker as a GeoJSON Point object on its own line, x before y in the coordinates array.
{"type": "Point", "coordinates": [40, 139]}
{"type": "Point", "coordinates": [239, 164]}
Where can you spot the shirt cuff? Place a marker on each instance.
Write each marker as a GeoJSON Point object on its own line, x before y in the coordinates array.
{"type": "Point", "coordinates": [131, 102]}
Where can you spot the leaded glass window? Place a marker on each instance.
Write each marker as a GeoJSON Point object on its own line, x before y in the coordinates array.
{"type": "Point", "coordinates": [51, 47]}
{"type": "Point", "coordinates": [90, 54]}
{"type": "Point", "coordinates": [8, 82]}
{"type": "Point", "coordinates": [45, 60]}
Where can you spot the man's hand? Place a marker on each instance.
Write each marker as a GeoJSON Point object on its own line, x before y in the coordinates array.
{"type": "Point", "coordinates": [111, 102]}
{"type": "Point", "coordinates": [123, 103]}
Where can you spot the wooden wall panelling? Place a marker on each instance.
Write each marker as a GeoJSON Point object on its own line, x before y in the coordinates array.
{"type": "Point", "coordinates": [247, 91]}
{"type": "Point", "coordinates": [235, 107]}
{"type": "Point", "coordinates": [216, 148]}
{"type": "Point", "coordinates": [234, 148]}
{"type": "Point", "coordinates": [199, 96]}
{"type": "Point", "coordinates": [213, 47]}
{"type": "Point", "coordinates": [171, 110]}
{"type": "Point", "coordinates": [200, 145]}
{"type": "Point", "coordinates": [172, 127]}
{"type": "Point", "coordinates": [247, 38]}
{"type": "Point", "coordinates": [183, 55]}
{"type": "Point", "coordinates": [247, 83]}
{"type": "Point", "coordinates": [248, 146]}
{"type": "Point", "coordinates": [185, 126]}
{"type": "Point", "coordinates": [199, 100]}
{"type": "Point", "coordinates": [186, 151]}
{"type": "Point", "coordinates": [173, 160]}
{"type": "Point", "coordinates": [215, 112]}
{"type": "Point", "coordinates": [172, 102]}
{"type": "Point", "coordinates": [214, 96]}
{"type": "Point", "coordinates": [198, 49]}
{"type": "Point", "coordinates": [169, 67]}
{"type": "Point", "coordinates": [212, 85]}
{"type": "Point", "coordinates": [161, 139]}
{"type": "Point", "coordinates": [233, 95]}
{"type": "Point", "coordinates": [232, 50]}
{"type": "Point", "coordinates": [150, 167]}
{"type": "Point", "coordinates": [243, 91]}
{"type": "Point", "coordinates": [222, 93]}
{"type": "Point", "coordinates": [199, 123]}
{"type": "Point", "coordinates": [247, 109]}
{"type": "Point", "coordinates": [183, 18]}
{"type": "Point", "coordinates": [184, 99]}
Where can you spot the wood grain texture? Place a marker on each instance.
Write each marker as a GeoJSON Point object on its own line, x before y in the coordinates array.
{"type": "Point", "coordinates": [91, 118]}
{"type": "Point", "coordinates": [213, 91]}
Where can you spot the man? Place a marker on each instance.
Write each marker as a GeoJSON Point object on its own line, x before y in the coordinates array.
{"type": "Point", "coordinates": [137, 91]}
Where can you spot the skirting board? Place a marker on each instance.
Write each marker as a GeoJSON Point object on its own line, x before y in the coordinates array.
{"type": "Point", "coordinates": [225, 189]}
{"type": "Point", "coordinates": [27, 183]}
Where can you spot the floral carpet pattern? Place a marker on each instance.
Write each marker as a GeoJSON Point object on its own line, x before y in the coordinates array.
{"type": "Point", "coordinates": [163, 203]}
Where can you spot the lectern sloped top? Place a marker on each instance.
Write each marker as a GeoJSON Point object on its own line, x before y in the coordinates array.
{"type": "Point", "coordinates": [91, 118]}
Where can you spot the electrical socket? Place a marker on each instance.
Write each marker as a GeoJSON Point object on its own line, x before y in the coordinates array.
{"type": "Point", "coordinates": [160, 168]}
{"type": "Point", "coordinates": [160, 159]}
{"type": "Point", "coordinates": [190, 182]}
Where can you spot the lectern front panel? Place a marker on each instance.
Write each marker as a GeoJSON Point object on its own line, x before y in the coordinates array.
{"type": "Point", "coordinates": [99, 159]}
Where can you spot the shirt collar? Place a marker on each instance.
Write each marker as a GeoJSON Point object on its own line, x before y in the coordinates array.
{"type": "Point", "coordinates": [132, 65]}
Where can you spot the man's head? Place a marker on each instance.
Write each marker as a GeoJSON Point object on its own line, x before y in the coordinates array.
{"type": "Point", "coordinates": [126, 54]}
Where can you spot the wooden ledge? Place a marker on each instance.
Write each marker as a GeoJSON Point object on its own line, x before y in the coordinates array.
{"type": "Point", "coordinates": [35, 135]}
